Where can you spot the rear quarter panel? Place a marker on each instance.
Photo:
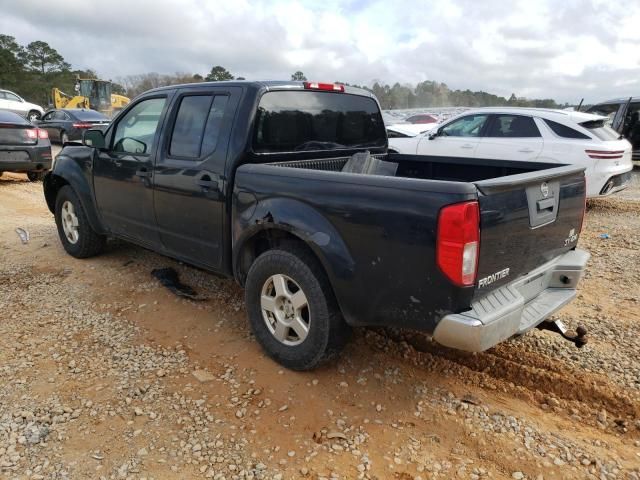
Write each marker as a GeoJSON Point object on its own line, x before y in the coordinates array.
{"type": "Point", "coordinates": [375, 237]}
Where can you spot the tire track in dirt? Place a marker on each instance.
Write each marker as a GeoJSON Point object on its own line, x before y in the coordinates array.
{"type": "Point", "coordinates": [529, 375]}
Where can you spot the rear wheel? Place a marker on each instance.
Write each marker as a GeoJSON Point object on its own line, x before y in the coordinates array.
{"type": "Point", "coordinates": [77, 237]}
{"type": "Point", "coordinates": [35, 176]}
{"type": "Point", "coordinates": [292, 310]}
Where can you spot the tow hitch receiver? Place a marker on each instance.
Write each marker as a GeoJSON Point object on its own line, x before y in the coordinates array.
{"type": "Point", "coordinates": [579, 339]}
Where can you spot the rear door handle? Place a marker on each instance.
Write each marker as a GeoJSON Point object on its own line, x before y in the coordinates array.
{"type": "Point", "coordinates": [467, 146]}
{"type": "Point", "coordinates": [206, 182]}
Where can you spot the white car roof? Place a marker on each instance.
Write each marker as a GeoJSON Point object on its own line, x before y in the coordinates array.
{"type": "Point", "coordinates": [548, 113]}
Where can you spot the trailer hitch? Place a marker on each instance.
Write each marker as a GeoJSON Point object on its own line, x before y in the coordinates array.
{"type": "Point", "coordinates": [557, 326]}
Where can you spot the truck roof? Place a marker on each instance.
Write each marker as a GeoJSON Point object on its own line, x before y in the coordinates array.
{"type": "Point", "coordinates": [263, 85]}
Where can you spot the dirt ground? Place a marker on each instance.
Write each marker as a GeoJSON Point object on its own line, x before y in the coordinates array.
{"type": "Point", "coordinates": [106, 374]}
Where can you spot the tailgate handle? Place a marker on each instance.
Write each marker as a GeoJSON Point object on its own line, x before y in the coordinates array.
{"type": "Point", "coordinates": [546, 204]}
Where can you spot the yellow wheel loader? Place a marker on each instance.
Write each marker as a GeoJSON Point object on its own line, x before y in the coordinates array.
{"type": "Point", "coordinates": [91, 93]}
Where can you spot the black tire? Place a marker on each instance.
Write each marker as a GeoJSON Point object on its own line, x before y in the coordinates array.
{"type": "Point", "coordinates": [35, 176]}
{"type": "Point", "coordinates": [89, 243]}
{"type": "Point", "coordinates": [328, 333]}
{"type": "Point", "coordinates": [33, 115]}
{"type": "Point", "coordinates": [64, 137]}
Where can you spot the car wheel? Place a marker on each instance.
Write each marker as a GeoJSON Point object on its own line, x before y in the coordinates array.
{"type": "Point", "coordinates": [35, 176]}
{"type": "Point", "coordinates": [77, 237]}
{"type": "Point", "coordinates": [292, 310]}
{"type": "Point", "coordinates": [33, 115]}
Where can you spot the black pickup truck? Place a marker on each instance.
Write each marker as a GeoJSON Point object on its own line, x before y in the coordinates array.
{"type": "Point", "coordinates": [288, 188]}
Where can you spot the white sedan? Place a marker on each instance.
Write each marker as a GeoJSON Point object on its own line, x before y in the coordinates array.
{"type": "Point", "coordinates": [15, 103]}
{"type": "Point", "coordinates": [530, 134]}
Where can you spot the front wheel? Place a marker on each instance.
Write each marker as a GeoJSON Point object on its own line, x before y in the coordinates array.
{"type": "Point", "coordinates": [292, 310]}
{"type": "Point", "coordinates": [33, 115]}
{"type": "Point", "coordinates": [77, 237]}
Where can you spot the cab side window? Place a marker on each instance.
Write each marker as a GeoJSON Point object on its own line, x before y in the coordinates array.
{"type": "Point", "coordinates": [469, 126]}
{"type": "Point", "coordinates": [137, 128]}
{"type": "Point", "coordinates": [197, 126]}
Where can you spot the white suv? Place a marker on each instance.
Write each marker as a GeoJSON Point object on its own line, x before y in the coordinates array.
{"type": "Point", "coordinates": [531, 134]}
{"type": "Point", "coordinates": [15, 103]}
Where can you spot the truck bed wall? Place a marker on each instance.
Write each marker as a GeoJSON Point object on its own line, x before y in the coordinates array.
{"type": "Point", "coordinates": [456, 169]}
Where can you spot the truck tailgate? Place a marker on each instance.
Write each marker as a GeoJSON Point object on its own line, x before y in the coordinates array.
{"type": "Point", "coordinates": [527, 220]}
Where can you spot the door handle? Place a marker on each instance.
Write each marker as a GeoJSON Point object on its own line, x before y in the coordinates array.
{"type": "Point", "coordinates": [143, 173]}
{"type": "Point", "coordinates": [525, 150]}
{"type": "Point", "coordinates": [206, 183]}
{"type": "Point", "coordinates": [467, 146]}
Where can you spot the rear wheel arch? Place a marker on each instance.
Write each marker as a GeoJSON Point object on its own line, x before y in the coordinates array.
{"type": "Point", "coordinates": [269, 239]}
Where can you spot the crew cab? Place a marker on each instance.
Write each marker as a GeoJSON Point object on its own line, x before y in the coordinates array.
{"type": "Point", "coordinates": [288, 188]}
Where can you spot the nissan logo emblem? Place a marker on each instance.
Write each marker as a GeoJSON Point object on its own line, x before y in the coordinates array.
{"type": "Point", "coordinates": [544, 188]}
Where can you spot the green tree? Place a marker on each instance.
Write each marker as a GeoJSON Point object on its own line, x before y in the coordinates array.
{"type": "Point", "coordinates": [11, 70]}
{"type": "Point", "coordinates": [298, 76]}
{"type": "Point", "coordinates": [218, 74]}
{"type": "Point", "coordinates": [39, 57]}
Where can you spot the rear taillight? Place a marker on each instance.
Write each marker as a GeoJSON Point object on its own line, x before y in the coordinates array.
{"type": "Point", "coordinates": [605, 154]}
{"type": "Point", "coordinates": [458, 242]}
{"type": "Point", "coordinates": [83, 125]}
{"type": "Point", "coordinates": [331, 87]}
{"type": "Point", "coordinates": [35, 133]}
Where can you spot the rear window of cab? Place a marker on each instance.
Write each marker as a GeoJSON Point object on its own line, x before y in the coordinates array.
{"type": "Point", "coordinates": [290, 121]}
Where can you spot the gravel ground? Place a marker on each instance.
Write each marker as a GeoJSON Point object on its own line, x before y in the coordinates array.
{"type": "Point", "coordinates": [105, 374]}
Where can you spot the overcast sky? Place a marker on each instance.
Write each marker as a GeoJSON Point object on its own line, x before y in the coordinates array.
{"type": "Point", "coordinates": [561, 49]}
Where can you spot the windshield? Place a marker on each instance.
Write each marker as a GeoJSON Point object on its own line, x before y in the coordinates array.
{"type": "Point", "coordinates": [601, 130]}
{"type": "Point", "coordinates": [305, 120]}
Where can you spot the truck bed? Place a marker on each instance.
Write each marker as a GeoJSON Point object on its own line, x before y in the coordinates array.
{"type": "Point", "coordinates": [387, 226]}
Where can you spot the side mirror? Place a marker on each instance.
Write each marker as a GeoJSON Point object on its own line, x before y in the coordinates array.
{"type": "Point", "coordinates": [433, 135]}
{"type": "Point", "coordinates": [93, 138]}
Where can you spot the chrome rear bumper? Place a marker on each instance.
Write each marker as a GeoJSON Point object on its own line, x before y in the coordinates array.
{"type": "Point", "coordinates": [514, 308]}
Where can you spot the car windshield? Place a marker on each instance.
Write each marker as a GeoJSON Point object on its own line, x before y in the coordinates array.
{"type": "Point", "coordinates": [304, 120]}
{"type": "Point", "coordinates": [89, 115]}
{"type": "Point", "coordinates": [601, 130]}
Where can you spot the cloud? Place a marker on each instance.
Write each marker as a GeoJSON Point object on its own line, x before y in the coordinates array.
{"type": "Point", "coordinates": [546, 49]}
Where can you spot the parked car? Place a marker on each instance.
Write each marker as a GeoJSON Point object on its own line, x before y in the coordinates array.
{"type": "Point", "coordinates": [421, 118]}
{"type": "Point", "coordinates": [624, 117]}
{"type": "Point", "coordinates": [67, 124]}
{"type": "Point", "coordinates": [530, 134]}
{"type": "Point", "coordinates": [15, 103]}
{"type": "Point", "coordinates": [24, 148]}
{"type": "Point", "coordinates": [288, 188]}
